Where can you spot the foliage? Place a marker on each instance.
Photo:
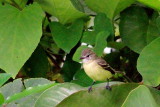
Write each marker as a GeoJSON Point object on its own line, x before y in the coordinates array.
{"type": "Point", "coordinates": [43, 38]}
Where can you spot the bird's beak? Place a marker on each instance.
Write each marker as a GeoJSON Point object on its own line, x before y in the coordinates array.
{"type": "Point", "coordinates": [82, 57]}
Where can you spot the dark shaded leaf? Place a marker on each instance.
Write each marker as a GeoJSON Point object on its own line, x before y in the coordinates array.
{"type": "Point", "coordinates": [37, 65]}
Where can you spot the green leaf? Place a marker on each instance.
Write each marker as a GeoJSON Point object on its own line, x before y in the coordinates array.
{"type": "Point", "coordinates": [153, 31]}
{"type": "Point", "coordinates": [155, 94]}
{"type": "Point", "coordinates": [30, 100]}
{"type": "Point", "coordinates": [81, 78]}
{"type": "Point", "coordinates": [67, 38]}
{"type": "Point", "coordinates": [89, 37]}
{"type": "Point", "coordinates": [78, 5]}
{"type": "Point", "coordinates": [12, 88]}
{"type": "Point", "coordinates": [37, 65]}
{"type": "Point", "coordinates": [137, 31]}
{"type": "Point", "coordinates": [101, 23]}
{"type": "Point", "coordinates": [1, 99]}
{"type": "Point", "coordinates": [54, 95]}
{"type": "Point", "coordinates": [158, 22]}
{"type": "Point", "coordinates": [77, 54]}
{"type": "Point", "coordinates": [140, 97]}
{"type": "Point", "coordinates": [133, 28]}
{"type": "Point", "coordinates": [101, 42]}
{"type": "Point", "coordinates": [18, 3]}
{"type": "Point", "coordinates": [3, 78]}
{"type": "Point", "coordinates": [62, 9]}
{"type": "Point", "coordinates": [149, 62]}
{"type": "Point", "coordinates": [99, 97]}
{"type": "Point", "coordinates": [21, 37]}
{"type": "Point", "coordinates": [29, 91]}
{"type": "Point", "coordinates": [109, 7]}
{"type": "Point", "coordinates": [116, 45]}
{"type": "Point", "coordinates": [81, 6]}
{"type": "Point", "coordinates": [32, 82]}
{"type": "Point", "coordinates": [27, 101]}
{"type": "Point", "coordinates": [155, 4]}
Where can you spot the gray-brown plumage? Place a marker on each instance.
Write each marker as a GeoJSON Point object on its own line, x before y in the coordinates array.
{"type": "Point", "coordinates": [95, 67]}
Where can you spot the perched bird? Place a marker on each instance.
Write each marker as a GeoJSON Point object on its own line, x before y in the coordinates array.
{"type": "Point", "coordinates": [96, 68]}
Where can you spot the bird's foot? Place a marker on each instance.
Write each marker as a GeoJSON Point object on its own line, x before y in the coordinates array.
{"type": "Point", "coordinates": [108, 88]}
{"type": "Point", "coordinates": [89, 89]}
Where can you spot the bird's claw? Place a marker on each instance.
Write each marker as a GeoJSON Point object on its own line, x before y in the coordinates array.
{"type": "Point", "coordinates": [108, 88]}
{"type": "Point", "coordinates": [89, 89]}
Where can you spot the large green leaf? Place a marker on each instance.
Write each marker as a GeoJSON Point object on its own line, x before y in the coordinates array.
{"type": "Point", "coordinates": [67, 38]}
{"type": "Point", "coordinates": [3, 78]}
{"type": "Point", "coordinates": [133, 28]}
{"type": "Point", "coordinates": [29, 91]}
{"type": "Point", "coordinates": [137, 31]}
{"type": "Point", "coordinates": [20, 33]}
{"type": "Point", "coordinates": [155, 4]}
{"type": "Point", "coordinates": [149, 62]}
{"type": "Point", "coordinates": [109, 7]}
{"type": "Point", "coordinates": [32, 82]}
{"type": "Point", "coordinates": [141, 97]}
{"type": "Point", "coordinates": [62, 9]}
{"type": "Point", "coordinates": [25, 97]}
{"type": "Point", "coordinates": [99, 97]}
{"type": "Point", "coordinates": [31, 97]}
{"type": "Point", "coordinates": [54, 95]}
{"type": "Point", "coordinates": [12, 88]}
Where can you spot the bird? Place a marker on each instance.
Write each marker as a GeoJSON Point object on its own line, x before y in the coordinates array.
{"type": "Point", "coordinates": [96, 68]}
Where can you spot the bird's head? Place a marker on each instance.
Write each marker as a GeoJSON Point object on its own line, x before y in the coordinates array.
{"type": "Point", "coordinates": [87, 55]}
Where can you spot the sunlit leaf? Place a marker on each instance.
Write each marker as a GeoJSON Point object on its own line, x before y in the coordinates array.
{"type": "Point", "coordinates": [155, 4]}
{"type": "Point", "coordinates": [29, 91]}
{"type": "Point", "coordinates": [99, 97]}
{"type": "Point", "coordinates": [12, 88]}
{"type": "Point", "coordinates": [20, 33]}
{"type": "Point", "coordinates": [109, 7]}
{"type": "Point", "coordinates": [140, 97]}
{"type": "Point", "coordinates": [149, 62]}
{"type": "Point", "coordinates": [62, 9]}
{"type": "Point", "coordinates": [56, 94]}
{"type": "Point", "coordinates": [1, 99]}
{"type": "Point", "coordinates": [32, 82]}
{"type": "Point", "coordinates": [3, 78]}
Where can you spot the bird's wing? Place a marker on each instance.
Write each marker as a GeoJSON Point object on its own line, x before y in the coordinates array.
{"type": "Point", "coordinates": [105, 65]}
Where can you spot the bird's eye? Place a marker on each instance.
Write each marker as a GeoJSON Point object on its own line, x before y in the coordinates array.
{"type": "Point", "coordinates": [87, 55]}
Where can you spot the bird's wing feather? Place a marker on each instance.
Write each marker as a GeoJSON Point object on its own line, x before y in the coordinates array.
{"type": "Point", "coordinates": [105, 65]}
